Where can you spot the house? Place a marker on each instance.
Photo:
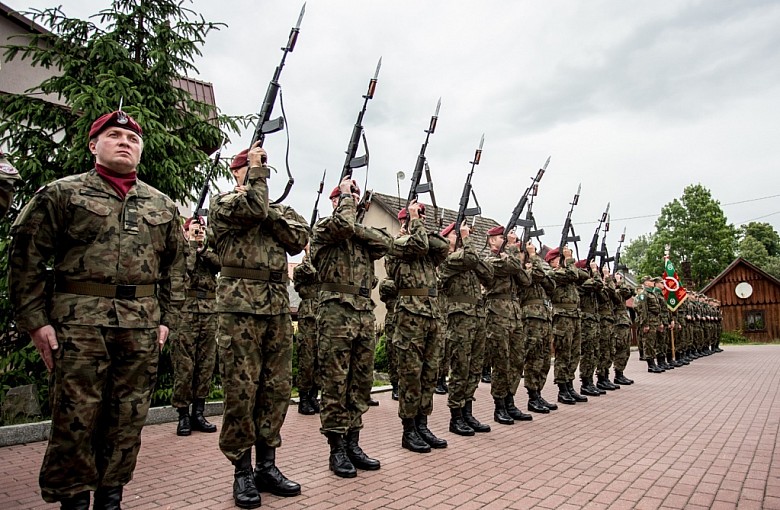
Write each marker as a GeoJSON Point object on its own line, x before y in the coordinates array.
{"type": "Point", "coordinates": [749, 300]}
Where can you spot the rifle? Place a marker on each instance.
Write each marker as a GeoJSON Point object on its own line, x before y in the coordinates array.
{"type": "Point", "coordinates": [264, 123]}
{"type": "Point", "coordinates": [317, 201]}
{"type": "Point", "coordinates": [515, 220]}
{"type": "Point", "coordinates": [199, 210]}
{"type": "Point", "coordinates": [422, 164]}
{"type": "Point", "coordinates": [568, 228]}
{"type": "Point", "coordinates": [530, 221]}
{"type": "Point", "coordinates": [352, 162]}
{"type": "Point", "coordinates": [605, 258]}
{"type": "Point", "coordinates": [618, 265]}
{"type": "Point", "coordinates": [593, 251]}
{"type": "Point", "coordinates": [467, 193]}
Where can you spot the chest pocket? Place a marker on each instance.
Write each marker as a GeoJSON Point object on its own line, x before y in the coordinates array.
{"type": "Point", "coordinates": [89, 219]}
{"type": "Point", "coordinates": [157, 224]}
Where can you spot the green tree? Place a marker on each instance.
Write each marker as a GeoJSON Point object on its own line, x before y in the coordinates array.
{"type": "Point", "coordinates": [754, 251]}
{"type": "Point", "coordinates": [634, 252]}
{"type": "Point", "coordinates": [765, 233]}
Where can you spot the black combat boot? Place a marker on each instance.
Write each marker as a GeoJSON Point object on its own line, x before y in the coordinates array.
{"type": "Point", "coordinates": [268, 478]}
{"type": "Point", "coordinates": [339, 462]}
{"type": "Point", "coordinates": [573, 394]}
{"type": "Point", "coordinates": [512, 410]}
{"type": "Point", "coordinates": [245, 493]}
{"type": "Point", "coordinates": [563, 395]}
{"type": "Point", "coordinates": [487, 377]}
{"type": "Point", "coordinates": [394, 393]}
{"type": "Point", "coordinates": [356, 454]}
{"type": "Point", "coordinates": [587, 387]}
{"type": "Point", "coordinates": [500, 415]}
{"type": "Point", "coordinates": [680, 358]}
{"type": "Point", "coordinates": [548, 405]}
{"type": "Point", "coordinates": [183, 428]}
{"type": "Point", "coordinates": [411, 440]}
{"type": "Point", "coordinates": [653, 368]}
{"type": "Point", "coordinates": [197, 419]}
{"type": "Point", "coordinates": [661, 362]}
{"type": "Point", "coordinates": [441, 386]}
{"type": "Point", "coordinates": [534, 402]}
{"type": "Point", "coordinates": [108, 498]}
{"type": "Point", "coordinates": [622, 379]}
{"type": "Point", "coordinates": [609, 384]}
{"type": "Point", "coordinates": [304, 403]}
{"type": "Point", "coordinates": [472, 422]}
{"type": "Point", "coordinates": [421, 422]}
{"type": "Point", "coordinates": [78, 501]}
{"type": "Point", "coordinates": [457, 424]}
{"type": "Point", "coordinates": [670, 360]}
{"type": "Point", "coordinates": [372, 402]}
{"type": "Point", "coordinates": [601, 384]}
{"type": "Point", "coordinates": [313, 400]}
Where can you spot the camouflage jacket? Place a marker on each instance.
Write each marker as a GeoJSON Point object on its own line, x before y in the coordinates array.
{"type": "Point", "coordinates": [508, 273]}
{"type": "Point", "coordinates": [305, 280]}
{"type": "Point", "coordinates": [589, 290]}
{"type": "Point", "coordinates": [605, 299]}
{"type": "Point", "coordinates": [252, 234]}
{"type": "Point", "coordinates": [647, 309]}
{"type": "Point", "coordinates": [566, 297]}
{"type": "Point", "coordinates": [202, 269]}
{"type": "Point", "coordinates": [82, 227]}
{"type": "Point", "coordinates": [623, 293]}
{"type": "Point", "coordinates": [666, 315]}
{"type": "Point", "coordinates": [9, 178]}
{"type": "Point", "coordinates": [412, 263]}
{"type": "Point", "coordinates": [343, 252]}
{"type": "Point", "coordinates": [388, 294]}
{"type": "Point", "coordinates": [461, 276]}
{"type": "Point", "coordinates": [535, 298]}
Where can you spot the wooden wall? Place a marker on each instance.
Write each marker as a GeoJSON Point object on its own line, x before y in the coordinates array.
{"type": "Point", "coordinates": [765, 297]}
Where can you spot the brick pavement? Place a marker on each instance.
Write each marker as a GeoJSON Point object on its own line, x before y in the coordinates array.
{"type": "Point", "coordinates": [702, 436]}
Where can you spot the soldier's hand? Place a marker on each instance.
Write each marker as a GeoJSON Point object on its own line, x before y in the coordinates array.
{"type": "Point", "coordinates": [257, 155]}
{"type": "Point", "coordinates": [511, 238]}
{"type": "Point", "coordinates": [530, 248]}
{"type": "Point", "coordinates": [45, 340]}
{"type": "Point", "coordinates": [567, 253]}
{"type": "Point", "coordinates": [464, 231]}
{"type": "Point", "coordinates": [345, 186]}
{"type": "Point", "coordinates": [593, 266]}
{"type": "Point", "coordinates": [414, 210]}
{"type": "Point", "coordinates": [162, 335]}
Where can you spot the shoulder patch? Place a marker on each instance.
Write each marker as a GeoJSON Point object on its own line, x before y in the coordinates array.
{"type": "Point", "coordinates": [641, 297]}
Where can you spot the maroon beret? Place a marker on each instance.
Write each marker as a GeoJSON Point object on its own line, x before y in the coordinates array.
{"type": "Point", "coordinates": [189, 221]}
{"type": "Point", "coordinates": [552, 254]}
{"type": "Point", "coordinates": [239, 160]}
{"type": "Point", "coordinates": [402, 214]}
{"type": "Point", "coordinates": [337, 190]}
{"type": "Point", "coordinates": [496, 231]}
{"type": "Point", "coordinates": [449, 228]}
{"type": "Point", "coordinates": [114, 119]}
{"type": "Point", "coordinates": [582, 264]}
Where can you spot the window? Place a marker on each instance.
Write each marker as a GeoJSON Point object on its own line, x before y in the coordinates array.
{"type": "Point", "coordinates": [754, 320]}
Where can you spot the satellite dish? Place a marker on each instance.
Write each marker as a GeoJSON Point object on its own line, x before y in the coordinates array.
{"type": "Point", "coordinates": [400, 175]}
{"type": "Point", "coordinates": [743, 290]}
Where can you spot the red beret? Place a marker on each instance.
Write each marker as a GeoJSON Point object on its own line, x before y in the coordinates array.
{"type": "Point", "coordinates": [114, 119]}
{"type": "Point", "coordinates": [239, 160]}
{"type": "Point", "coordinates": [402, 214]}
{"type": "Point", "coordinates": [337, 190]}
{"type": "Point", "coordinates": [552, 254]}
{"type": "Point", "coordinates": [496, 231]}
{"type": "Point", "coordinates": [187, 223]}
{"type": "Point", "coordinates": [449, 228]}
{"type": "Point", "coordinates": [582, 264]}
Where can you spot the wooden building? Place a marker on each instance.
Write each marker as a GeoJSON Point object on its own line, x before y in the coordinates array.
{"type": "Point", "coordinates": [749, 299]}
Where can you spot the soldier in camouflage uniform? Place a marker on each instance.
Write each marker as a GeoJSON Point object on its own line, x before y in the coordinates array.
{"type": "Point", "coordinates": [9, 178]}
{"type": "Point", "coordinates": [388, 294]}
{"type": "Point", "coordinates": [117, 250]}
{"type": "Point", "coordinates": [606, 298]}
{"type": "Point", "coordinates": [419, 334]}
{"type": "Point", "coordinates": [591, 328]}
{"type": "Point", "coordinates": [343, 252]}
{"type": "Point", "coordinates": [567, 333]}
{"type": "Point", "coordinates": [194, 347]}
{"type": "Point", "coordinates": [305, 280]}
{"type": "Point", "coordinates": [253, 238]}
{"type": "Point", "coordinates": [461, 276]}
{"type": "Point", "coordinates": [648, 322]}
{"type": "Point", "coordinates": [622, 329]}
{"type": "Point", "coordinates": [503, 324]}
{"type": "Point", "coordinates": [663, 339]}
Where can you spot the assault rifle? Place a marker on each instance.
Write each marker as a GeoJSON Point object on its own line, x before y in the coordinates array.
{"type": "Point", "coordinates": [593, 250]}
{"type": "Point", "coordinates": [315, 212]}
{"type": "Point", "coordinates": [265, 125]}
{"type": "Point", "coordinates": [605, 258]}
{"type": "Point", "coordinates": [530, 221]}
{"type": "Point", "coordinates": [515, 220]}
{"type": "Point", "coordinates": [468, 192]}
{"type": "Point", "coordinates": [567, 234]}
{"type": "Point", "coordinates": [422, 164]}
{"type": "Point", "coordinates": [618, 265]}
{"type": "Point", "coordinates": [352, 161]}
{"type": "Point", "coordinates": [199, 210]}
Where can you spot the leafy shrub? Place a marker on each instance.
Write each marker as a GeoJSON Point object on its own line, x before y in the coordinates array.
{"type": "Point", "coordinates": [380, 356]}
{"type": "Point", "coordinates": [733, 337]}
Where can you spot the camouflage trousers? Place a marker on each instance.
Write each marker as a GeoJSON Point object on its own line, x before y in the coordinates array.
{"type": "Point", "coordinates": [308, 365]}
{"type": "Point", "coordinates": [346, 341]}
{"type": "Point", "coordinates": [647, 338]}
{"type": "Point", "coordinates": [662, 342]}
{"type": "Point", "coordinates": [606, 345]}
{"type": "Point", "coordinates": [567, 338]}
{"type": "Point", "coordinates": [100, 391]}
{"type": "Point", "coordinates": [538, 335]}
{"type": "Point", "coordinates": [446, 353]}
{"type": "Point", "coordinates": [255, 360]}
{"type": "Point", "coordinates": [622, 334]}
{"type": "Point", "coordinates": [505, 347]}
{"type": "Point", "coordinates": [418, 343]}
{"type": "Point", "coordinates": [466, 338]}
{"type": "Point", "coordinates": [590, 346]}
{"type": "Point", "coordinates": [392, 357]}
{"type": "Point", "coordinates": [194, 357]}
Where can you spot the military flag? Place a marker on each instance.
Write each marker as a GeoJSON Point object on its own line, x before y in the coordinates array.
{"type": "Point", "coordinates": [674, 292]}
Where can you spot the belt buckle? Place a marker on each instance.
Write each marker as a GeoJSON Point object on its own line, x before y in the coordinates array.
{"type": "Point", "coordinates": [201, 294]}
{"type": "Point", "coordinates": [125, 292]}
{"type": "Point", "coordinates": [276, 276]}
{"type": "Point", "coordinates": [364, 292]}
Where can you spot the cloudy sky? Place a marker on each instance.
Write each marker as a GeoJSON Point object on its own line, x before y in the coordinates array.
{"type": "Point", "coordinates": [635, 100]}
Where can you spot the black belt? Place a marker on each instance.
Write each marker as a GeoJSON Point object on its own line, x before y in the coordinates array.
{"type": "Point", "coordinates": [105, 290]}
{"type": "Point", "coordinates": [343, 288]}
{"type": "Point", "coordinates": [506, 297]}
{"type": "Point", "coordinates": [429, 292]}
{"type": "Point", "coordinates": [254, 274]}
{"type": "Point", "coordinates": [201, 294]}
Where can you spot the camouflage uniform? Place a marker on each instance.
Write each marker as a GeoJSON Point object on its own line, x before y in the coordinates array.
{"type": "Point", "coordinates": [622, 326]}
{"type": "Point", "coordinates": [106, 365]}
{"type": "Point", "coordinates": [663, 339]}
{"type": "Point", "coordinates": [9, 179]}
{"type": "Point", "coordinates": [194, 346]}
{"type": "Point", "coordinates": [537, 317]}
{"type": "Point", "coordinates": [254, 330]}
{"type": "Point", "coordinates": [567, 332]}
{"type": "Point", "coordinates": [389, 295]}
{"type": "Point", "coordinates": [607, 324]}
{"type": "Point", "coordinates": [648, 316]}
{"type": "Point", "coordinates": [589, 289]}
{"type": "Point", "coordinates": [419, 333]}
{"type": "Point", "coordinates": [343, 252]}
{"type": "Point", "coordinates": [305, 278]}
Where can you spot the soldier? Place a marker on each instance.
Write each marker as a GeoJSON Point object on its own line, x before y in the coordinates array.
{"type": "Point", "coordinates": [117, 250]}
{"type": "Point", "coordinates": [461, 276]}
{"type": "Point", "coordinates": [388, 294]}
{"type": "Point", "coordinates": [344, 252]}
{"type": "Point", "coordinates": [622, 329]}
{"type": "Point", "coordinates": [194, 348]}
{"type": "Point", "coordinates": [419, 334]}
{"type": "Point", "coordinates": [503, 324]}
{"type": "Point", "coordinates": [9, 178]}
{"type": "Point", "coordinates": [567, 333]}
{"type": "Point", "coordinates": [591, 328]}
{"type": "Point", "coordinates": [253, 238]}
{"type": "Point", "coordinates": [649, 323]}
{"type": "Point", "coordinates": [607, 324]}
{"type": "Point", "coordinates": [663, 340]}
{"type": "Point", "coordinates": [305, 280]}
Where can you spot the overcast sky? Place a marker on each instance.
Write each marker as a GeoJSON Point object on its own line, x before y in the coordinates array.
{"type": "Point", "coordinates": [636, 100]}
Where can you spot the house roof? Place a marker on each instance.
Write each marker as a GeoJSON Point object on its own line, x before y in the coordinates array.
{"type": "Point", "coordinates": [22, 20]}
{"type": "Point", "coordinates": [737, 261]}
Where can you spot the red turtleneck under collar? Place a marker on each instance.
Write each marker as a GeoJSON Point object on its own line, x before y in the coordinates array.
{"type": "Point", "coordinates": [120, 182]}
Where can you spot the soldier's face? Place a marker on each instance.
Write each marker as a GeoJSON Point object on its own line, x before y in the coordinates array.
{"type": "Point", "coordinates": [117, 149]}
